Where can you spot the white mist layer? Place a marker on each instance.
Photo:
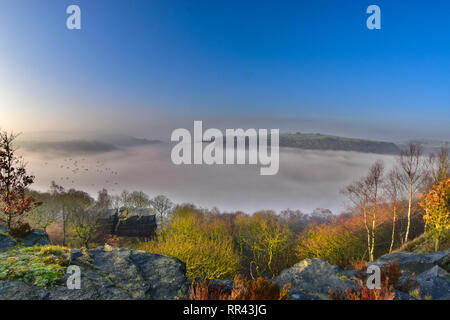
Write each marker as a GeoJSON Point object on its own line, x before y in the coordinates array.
{"type": "Point", "coordinates": [307, 179]}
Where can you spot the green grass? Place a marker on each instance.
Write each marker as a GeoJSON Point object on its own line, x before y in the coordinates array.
{"type": "Point", "coordinates": [425, 243]}
{"type": "Point", "coordinates": [40, 266]}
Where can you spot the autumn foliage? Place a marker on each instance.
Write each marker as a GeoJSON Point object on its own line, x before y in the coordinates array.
{"type": "Point", "coordinates": [14, 181]}
{"type": "Point", "coordinates": [436, 204]}
{"type": "Point", "coordinates": [201, 241]}
{"type": "Point", "coordinates": [386, 292]}
{"type": "Point", "coordinates": [257, 289]}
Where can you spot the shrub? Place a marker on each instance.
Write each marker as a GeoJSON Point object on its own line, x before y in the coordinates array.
{"type": "Point", "coordinates": [204, 290]}
{"type": "Point", "coordinates": [258, 289]}
{"type": "Point", "coordinates": [266, 245]}
{"type": "Point", "coordinates": [344, 240]}
{"type": "Point", "coordinates": [203, 243]}
{"type": "Point", "coordinates": [387, 292]}
{"type": "Point", "coordinates": [390, 280]}
{"type": "Point", "coordinates": [339, 244]}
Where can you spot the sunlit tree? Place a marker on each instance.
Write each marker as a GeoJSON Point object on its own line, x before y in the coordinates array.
{"type": "Point", "coordinates": [412, 169]}
{"type": "Point", "coordinates": [436, 204]}
{"type": "Point", "coordinates": [14, 181]}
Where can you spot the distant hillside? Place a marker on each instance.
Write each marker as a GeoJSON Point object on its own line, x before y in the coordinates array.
{"type": "Point", "coordinates": [63, 144]}
{"type": "Point", "coordinates": [427, 145]}
{"type": "Point", "coordinates": [318, 141]}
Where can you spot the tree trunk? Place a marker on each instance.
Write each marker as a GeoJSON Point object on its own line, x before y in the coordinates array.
{"type": "Point", "coordinates": [368, 231]}
{"type": "Point", "coordinates": [8, 220]}
{"type": "Point", "coordinates": [374, 221]}
{"type": "Point", "coordinates": [409, 211]}
{"type": "Point", "coordinates": [393, 227]}
{"type": "Point", "coordinates": [436, 244]}
{"type": "Point", "coordinates": [64, 230]}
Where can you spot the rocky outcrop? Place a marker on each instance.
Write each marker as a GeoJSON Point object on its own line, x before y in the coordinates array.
{"type": "Point", "coordinates": [109, 273]}
{"type": "Point", "coordinates": [18, 290]}
{"type": "Point", "coordinates": [311, 279]}
{"type": "Point", "coordinates": [434, 283]}
{"type": "Point", "coordinates": [6, 242]}
{"type": "Point", "coordinates": [416, 263]}
{"type": "Point", "coordinates": [36, 236]}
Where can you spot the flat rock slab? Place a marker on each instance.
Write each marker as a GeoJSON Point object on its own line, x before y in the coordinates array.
{"type": "Point", "coordinates": [109, 273]}
{"type": "Point", "coordinates": [416, 262]}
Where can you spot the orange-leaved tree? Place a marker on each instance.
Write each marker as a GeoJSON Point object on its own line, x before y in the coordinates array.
{"type": "Point", "coordinates": [14, 181]}
{"type": "Point", "coordinates": [436, 204]}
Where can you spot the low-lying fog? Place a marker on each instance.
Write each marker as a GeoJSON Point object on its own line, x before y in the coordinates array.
{"type": "Point", "coordinates": [306, 179]}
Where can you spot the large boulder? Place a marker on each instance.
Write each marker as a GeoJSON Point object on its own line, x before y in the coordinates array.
{"type": "Point", "coordinates": [417, 263]}
{"type": "Point", "coordinates": [311, 279]}
{"type": "Point", "coordinates": [434, 283]}
{"type": "Point", "coordinates": [18, 290]}
{"type": "Point", "coordinates": [36, 236]}
{"type": "Point", "coordinates": [109, 273]}
{"type": "Point", "coordinates": [6, 242]}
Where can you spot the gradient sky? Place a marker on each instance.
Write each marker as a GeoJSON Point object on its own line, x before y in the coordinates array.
{"type": "Point", "coordinates": [146, 67]}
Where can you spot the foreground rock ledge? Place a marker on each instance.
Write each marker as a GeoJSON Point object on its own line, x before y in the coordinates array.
{"type": "Point", "coordinates": [109, 273]}
{"type": "Point", "coordinates": [311, 279]}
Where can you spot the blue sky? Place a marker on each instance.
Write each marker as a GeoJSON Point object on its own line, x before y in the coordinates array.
{"type": "Point", "coordinates": [149, 66]}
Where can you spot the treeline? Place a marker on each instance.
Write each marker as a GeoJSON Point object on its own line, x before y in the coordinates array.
{"type": "Point", "coordinates": [412, 178]}
{"type": "Point", "coordinates": [72, 217]}
{"type": "Point", "coordinates": [218, 245]}
{"type": "Point", "coordinates": [386, 209]}
{"type": "Point", "coordinates": [74, 212]}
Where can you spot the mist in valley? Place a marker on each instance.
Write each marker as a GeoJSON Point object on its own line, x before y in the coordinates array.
{"type": "Point", "coordinates": [307, 179]}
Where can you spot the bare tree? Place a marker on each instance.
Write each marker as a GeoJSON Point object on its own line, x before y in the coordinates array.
{"type": "Point", "coordinates": [58, 193]}
{"type": "Point", "coordinates": [104, 200]}
{"type": "Point", "coordinates": [392, 188]}
{"type": "Point", "coordinates": [373, 182]}
{"type": "Point", "coordinates": [72, 202]}
{"type": "Point", "coordinates": [123, 198]}
{"type": "Point", "coordinates": [84, 216]}
{"type": "Point", "coordinates": [358, 195]}
{"type": "Point", "coordinates": [364, 195]}
{"type": "Point", "coordinates": [413, 173]}
{"type": "Point", "coordinates": [46, 214]}
{"type": "Point", "coordinates": [162, 205]}
{"type": "Point", "coordinates": [138, 199]}
{"type": "Point", "coordinates": [439, 165]}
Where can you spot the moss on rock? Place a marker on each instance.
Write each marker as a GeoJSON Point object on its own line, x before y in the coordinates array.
{"type": "Point", "coordinates": [40, 266]}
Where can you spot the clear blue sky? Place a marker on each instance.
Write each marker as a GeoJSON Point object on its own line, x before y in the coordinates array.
{"type": "Point", "coordinates": [300, 65]}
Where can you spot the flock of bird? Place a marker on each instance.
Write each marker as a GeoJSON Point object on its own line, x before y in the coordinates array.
{"type": "Point", "coordinates": [75, 168]}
